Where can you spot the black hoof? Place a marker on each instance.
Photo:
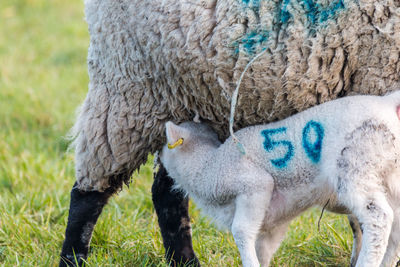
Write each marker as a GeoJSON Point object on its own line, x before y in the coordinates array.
{"type": "Point", "coordinates": [72, 261]}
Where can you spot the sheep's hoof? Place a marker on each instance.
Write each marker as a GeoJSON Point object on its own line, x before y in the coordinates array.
{"type": "Point", "coordinates": [193, 262]}
{"type": "Point", "coordinates": [72, 261]}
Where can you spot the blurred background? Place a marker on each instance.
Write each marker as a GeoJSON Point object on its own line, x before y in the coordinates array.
{"type": "Point", "coordinates": [43, 79]}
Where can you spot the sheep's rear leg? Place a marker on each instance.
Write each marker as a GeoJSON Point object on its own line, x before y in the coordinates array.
{"type": "Point", "coordinates": [173, 217]}
{"type": "Point", "coordinates": [85, 209]}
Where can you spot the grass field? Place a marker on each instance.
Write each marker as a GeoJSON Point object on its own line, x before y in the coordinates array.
{"type": "Point", "coordinates": [43, 78]}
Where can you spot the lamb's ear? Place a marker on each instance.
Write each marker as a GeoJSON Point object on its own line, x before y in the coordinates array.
{"type": "Point", "coordinates": [174, 132]}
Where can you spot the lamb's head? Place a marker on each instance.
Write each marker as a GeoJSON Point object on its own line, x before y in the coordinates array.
{"type": "Point", "coordinates": [188, 143]}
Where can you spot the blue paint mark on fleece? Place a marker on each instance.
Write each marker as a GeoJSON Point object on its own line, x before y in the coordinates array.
{"type": "Point", "coordinates": [313, 150]}
{"type": "Point", "coordinates": [254, 39]}
{"type": "Point", "coordinates": [331, 12]}
{"type": "Point", "coordinates": [252, 3]}
{"type": "Point", "coordinates": [316, 14]}
{"type": "Point", "coordinates": [285, 14]}
{"type": "Point", "coordinates": [270, 145]}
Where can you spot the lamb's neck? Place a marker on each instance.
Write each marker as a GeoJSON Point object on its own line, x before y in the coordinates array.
{"type": "Point", "coordinates": [197, 166]}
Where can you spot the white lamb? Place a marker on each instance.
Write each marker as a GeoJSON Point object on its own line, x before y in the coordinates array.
{"type": "Point", "coordinates": [315, 157]}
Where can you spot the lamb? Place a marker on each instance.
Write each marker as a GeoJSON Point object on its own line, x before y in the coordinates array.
{"type": "Point", "coordinates": [308, 159]}
{"type": "Point", "coordinates": [154, 61]}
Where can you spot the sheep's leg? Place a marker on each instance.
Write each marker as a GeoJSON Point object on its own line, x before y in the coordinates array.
{"type": "Point", "coordinates": [357, 239]}
{"type": "Point", "coordinates": [84, 210]}
{"type": "Point", "coordinates": [249, 215]}
{"type": "Point", "coordinates": [393, 250]}
{"type": "Point", "coordinates": [376, 216]}
{"type": "Point", "coordinates": [268, 242]}
{"type": "Point", "coordinates": [173, 217]}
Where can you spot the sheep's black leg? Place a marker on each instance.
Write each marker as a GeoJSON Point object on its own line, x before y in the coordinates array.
{"type": "Point", "coordinates": [84, 210]}
{"type": "Point", "coordinates": [173, 217]}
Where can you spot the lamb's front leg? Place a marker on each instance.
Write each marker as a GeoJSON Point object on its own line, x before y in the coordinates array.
{"type": "Point", "coordinates": [250, 211]}
{"type": "Point", "coordinates": [249, 215]}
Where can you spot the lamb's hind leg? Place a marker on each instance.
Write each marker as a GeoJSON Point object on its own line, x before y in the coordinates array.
{"type": "Point", "coordinates": [376, 216]}
{"type": "Point", "coordinates": [393, 250]}
{"type": "Point", "coordinates": [268, 242]}
{"type": "Point", "coordinates": [173, 217]}
{"type": "Point", "coordinates": [85, 209]}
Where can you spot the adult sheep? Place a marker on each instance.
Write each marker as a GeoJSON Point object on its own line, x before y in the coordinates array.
{"type": "Point", "coordinates": [154, 61]}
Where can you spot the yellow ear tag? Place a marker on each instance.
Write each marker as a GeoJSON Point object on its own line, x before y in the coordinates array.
{"type": "Point", "coordinates": [177, 143]}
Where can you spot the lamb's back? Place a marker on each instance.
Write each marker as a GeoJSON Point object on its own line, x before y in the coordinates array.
{"type": "Point", "coordinates": [299, 146]}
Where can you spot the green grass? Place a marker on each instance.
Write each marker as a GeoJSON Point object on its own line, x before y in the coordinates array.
{"type": "Point", "coordinates": [43, 78]}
